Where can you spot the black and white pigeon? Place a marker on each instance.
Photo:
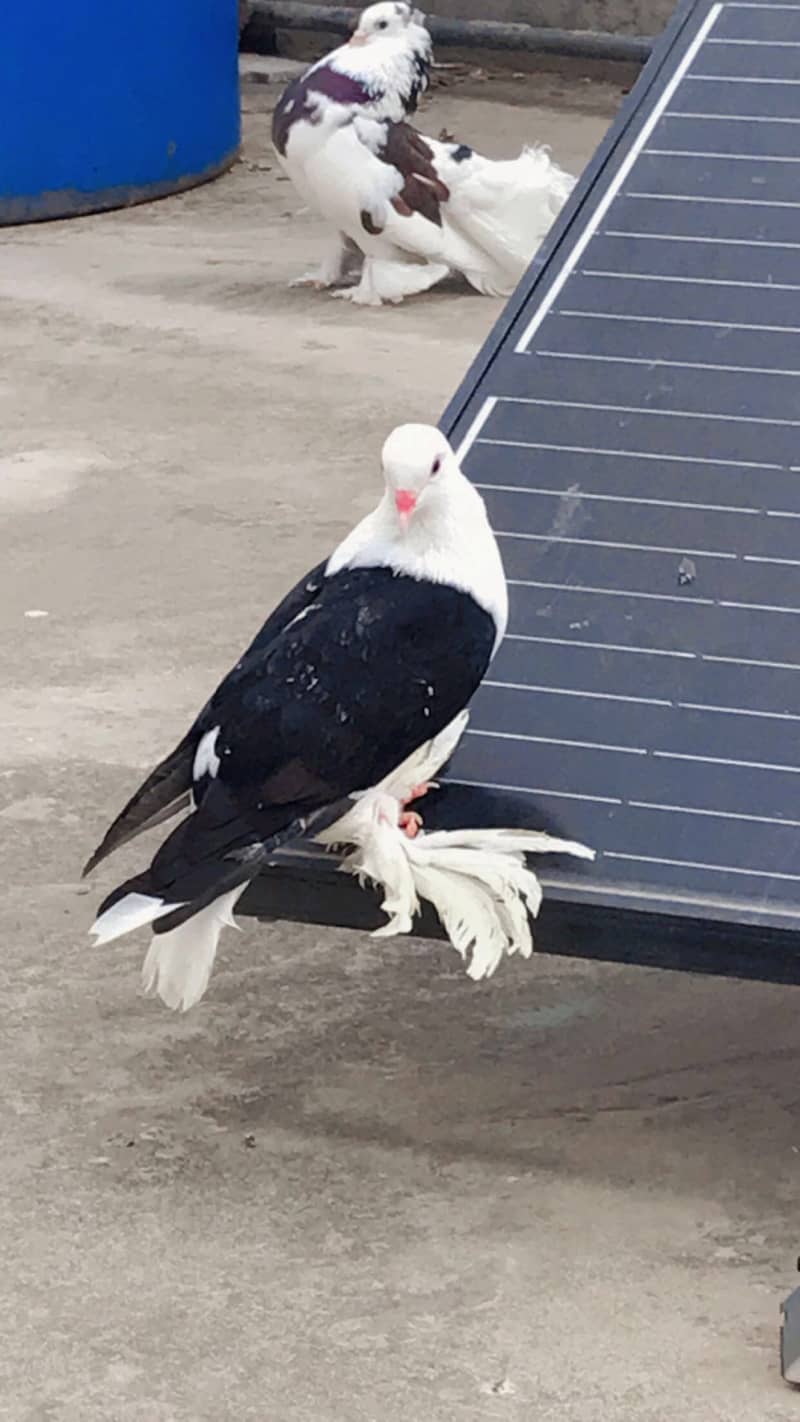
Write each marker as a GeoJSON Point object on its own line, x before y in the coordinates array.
{"type": "Point", "coordinates": [373, 654]}
{"type": "Point", "coordinates": [418, 209]}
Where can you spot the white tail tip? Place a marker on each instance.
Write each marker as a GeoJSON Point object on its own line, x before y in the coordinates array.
{"type": "Point", "coordinates": [134, 911]}
{"type": "Point", "coordinates": [179, 963]}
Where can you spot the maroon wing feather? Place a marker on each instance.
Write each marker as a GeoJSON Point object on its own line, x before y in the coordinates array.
{"type": "Point", "coordinates": [423, 191]}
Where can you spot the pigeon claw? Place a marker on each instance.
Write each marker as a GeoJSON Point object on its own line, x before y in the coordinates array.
{"type": "Point", "coordinates": [410, 823]}
{"type": "Point", "coordinates": [358, 296]}
{"type": "Point", "coordinates": [313, 283]}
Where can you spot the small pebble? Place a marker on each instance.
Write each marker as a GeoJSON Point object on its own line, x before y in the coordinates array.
{"type": "Point", "coordinates": [504, 1388]}
{"type": "Point", "coordinates": [36, 612]}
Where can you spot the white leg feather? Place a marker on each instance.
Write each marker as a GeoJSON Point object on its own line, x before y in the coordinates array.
{"type": "Point", "coordinates": [477, 880]}
{"type": "Point", "coordinates": [178, 964]}
{"type": "Point", "coordinates": [339, 260]}
{"type": "Point", "coordinates": [384, 866]}
{"type": "Point", "coordinates": [424, 763]}
{"type": "Point", "coordinates": [383, 280]}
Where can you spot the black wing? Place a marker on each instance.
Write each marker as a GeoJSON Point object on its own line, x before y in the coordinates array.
{"type": "Point", "coordinates": [168, 788]}
{"type": "Point", "coordinates": [288, 608]}
{"type": "Point", "coordinates": [376, 665]}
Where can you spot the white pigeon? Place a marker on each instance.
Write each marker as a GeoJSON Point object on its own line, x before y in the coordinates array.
{"type": "Point", "coordinates": [381, 71]}
{"type": "Point", "coordinates": [417, 208]}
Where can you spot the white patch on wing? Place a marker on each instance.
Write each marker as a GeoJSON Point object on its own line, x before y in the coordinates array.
{"type": "Point", "coordinates": [312, 607]}
{"type": "Point", "coordinates": [206, 760]}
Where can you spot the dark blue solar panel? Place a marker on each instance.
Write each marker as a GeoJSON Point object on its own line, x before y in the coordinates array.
{"type": "Point", "coordinates": [634, 425]}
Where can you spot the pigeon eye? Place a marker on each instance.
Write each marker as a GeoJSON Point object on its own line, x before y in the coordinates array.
{"type": "Point", "coordinates": [436, 466]}
{"type": "Point", "coordinates": [383, 24]}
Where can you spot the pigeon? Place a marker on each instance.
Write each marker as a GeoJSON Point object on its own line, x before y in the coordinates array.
{"type": "Point", "coordinates": [418, 209]}
{"type": "Point", "coordinates": [371, 656]}
{"type": "Point", "coordinates": [381, 71]}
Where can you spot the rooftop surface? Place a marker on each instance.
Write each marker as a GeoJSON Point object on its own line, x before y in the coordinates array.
{"type": "Point", "coordinates": [351, 1186]}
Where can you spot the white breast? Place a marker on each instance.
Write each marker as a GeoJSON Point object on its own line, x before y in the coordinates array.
{"type": "Point", "coordinates": [448, 541]}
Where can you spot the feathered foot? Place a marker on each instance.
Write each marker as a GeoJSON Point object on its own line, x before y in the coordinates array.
{"type": "Point", "coordinates": [311, 280]}
{"type": "Point", "coordinates": [477, 880]}
{"type": "Point", "coordinates": [410, 821]}
{"type": "Point", "coordinates": [359, 295]}
{"type": "Point", "coordinates": [386, 281]}
{"type": "Point", "coordinates": [341, 261]}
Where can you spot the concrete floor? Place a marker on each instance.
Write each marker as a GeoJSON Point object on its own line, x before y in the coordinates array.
{"type": "Point", "coordinates": [352, 1186]}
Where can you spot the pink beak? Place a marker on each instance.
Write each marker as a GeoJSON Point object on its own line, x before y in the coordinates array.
{"type": "Point", "coordinates": [405, 502]}
{"type": "Point", "coordinates": [358, 39]}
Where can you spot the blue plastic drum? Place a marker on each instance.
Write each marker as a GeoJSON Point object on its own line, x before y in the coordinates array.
{"type": "Point", "coordinates": [104, 104]}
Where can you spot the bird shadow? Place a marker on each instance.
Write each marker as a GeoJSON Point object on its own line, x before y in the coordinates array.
{"type": "Point", "coordinates": [594, 1071]}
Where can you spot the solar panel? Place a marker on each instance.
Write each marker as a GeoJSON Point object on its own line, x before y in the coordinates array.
{"type": "Point", "coordinates": [633, 423]}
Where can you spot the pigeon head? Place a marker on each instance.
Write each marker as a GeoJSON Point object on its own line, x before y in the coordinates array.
{"type": "Point", "coordinates": [418, 466]}
{"type": "Point", "coordinates": [390, 53]}
{"type": "Point", "coordinates": [431, 524]}
{"type": "Point", "coordinates": [388, 20]}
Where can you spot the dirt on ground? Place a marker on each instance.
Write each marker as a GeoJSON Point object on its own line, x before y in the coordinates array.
{"type": "Point", "coordinates": [351, 1186]}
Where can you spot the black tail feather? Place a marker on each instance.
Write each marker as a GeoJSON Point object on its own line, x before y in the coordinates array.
{"type": "Point", "coordinates": [164, 793]}
{"type": "Point", "coordinates": [208, 854]}
{"type": "Point", "coordinates": [139, 884]}
{"type": "Point", "coordinates": [237, 868]}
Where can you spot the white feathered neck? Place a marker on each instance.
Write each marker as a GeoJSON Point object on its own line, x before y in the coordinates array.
{"type": "Point", "coordinates": [448, 540]}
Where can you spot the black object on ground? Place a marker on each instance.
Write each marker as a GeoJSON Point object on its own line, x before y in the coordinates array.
{"type": "Point", "coordinates": [267, 16]}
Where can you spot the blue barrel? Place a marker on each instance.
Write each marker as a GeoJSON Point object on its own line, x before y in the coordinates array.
{"type": "Point", "coordinates": [105, 103]}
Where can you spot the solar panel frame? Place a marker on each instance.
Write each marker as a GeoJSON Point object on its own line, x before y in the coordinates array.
{"type": "Point", "coordinates": [677, 916]}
